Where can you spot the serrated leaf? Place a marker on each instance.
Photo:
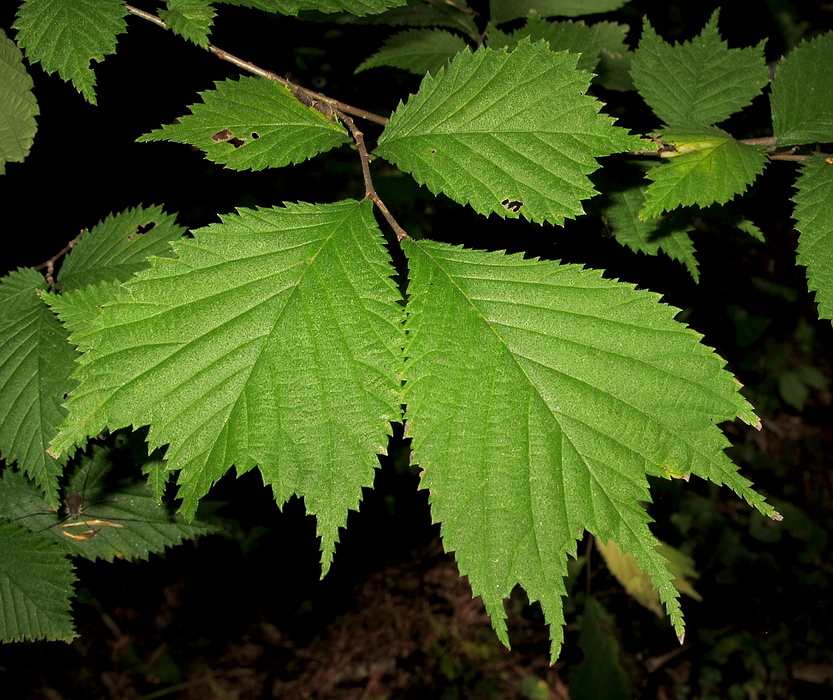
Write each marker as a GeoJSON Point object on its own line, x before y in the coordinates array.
{"type": "Point", "coordinates": [698, 82]}
{"type": "Point", "coordinates": [649, 237]}
{"type": "Point", "coordinates": [814, 219]}
{"type": "Point", "coordinates": [506, 10]}
{"type": "Point", "coordinates": [118, 247]}
{"type": "Point", "coordinates": [18, 106]}
{"type": "Point", "coordinates": [802, 94]}
{"type": "Point", "coordinates": [419, 51]}
{"type": "Point", "coordinates": [507, 133]}
{"type": "Point", "coordinates": [116, 519]}
{"type": "Point", "coordinates": [254, 124]}
{"type": "Point", "coordinates": [36, 581]}
{"type": "Point", "coordinates": [69, 35]}
{"type": "Point", "coordinates": [638, 584]}
{"type": "Point", "coordinates": [539, 396]}
{"type": "Point", "coordinates": [273, 341]}
{"type": "Point", "coordinates": [191, 19]}
{"type": "Point", "coordinates": [600, 673]}
{"type": "Point", "coordinates": [575, 37]}
{"type": "Point", "coordinates": [36, 362]}
{"type": "Point", "coordinates": [705, 166]}
{"type": "Point", "coordinates": [418, 13]}
{"type": "Point", "coordinates": [293, 7]}
{"type": "Point", "coordinates": [613, 70]}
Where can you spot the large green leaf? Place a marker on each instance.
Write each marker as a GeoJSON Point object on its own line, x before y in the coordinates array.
{"type": "Point", "coordinates": [191, 19]}
{"type": "Point", "coordinates": [705, 165]}
{"type": "Point", "coordinates": [18, 106]}
{"type": "Point", "coordinates": [419, 51]}
{"type": "Point", "coordinates": [698, 82]}
{"type": "Point", "coordinates": [69, 35]}
{"type": "Point", "coordinates": [539, 397]}
{"type": "Point", "coordinates": [36, 362]}
{"type": "Point", "coordinates": [293, 7]}
{"type": "Point", "coordinates": [814, 218]}
{"type": "Point", "coordinates": [36, 581]}
{"type": "Point", "coordinates": [273, 341]}
{"type": "Point", "coordinates": [118, 247]}
{"type": "Point", "coordinates": [508, 133]}
{"type": "Point", "coordinates": [802, 94]}
{"type": "Point", "coordinates": [501, 11]}
{"type": "Point", "coordinates": [253, 123]}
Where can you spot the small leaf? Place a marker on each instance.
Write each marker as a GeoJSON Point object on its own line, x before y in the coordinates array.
{"type": "Point", "coordinates": [191, 19]}
{"type": "Point", "coordinates": [539, 396]}
{"type": "Point", "coordinates": [511, 134]}
{"type": "Point", "coordinates": [274, 341]}
{"type": "Point", "coordinates": [700, 82]}
{"type": "Point", "coordinates": [69, 35]}
{"type": "Point", "coordinates": [118, 247]}
{"type": "Point", "coordinates": [36, 362]}
{"type": "Point", "coordinates": [293, 7]}
{"type": "Point", "coordinates": [419, 51]}
{"type": "Point", "coordinates": [418, 13]}
{"type": "Point", "coordinates": [814, 219]}
{"type": "Point", "coordinates": [706, 166]}
{"type": "Point", "coordinates": [253, 123]}
{"type": "Point", "coordinates": [36, 581]}
{"type": "Point", "coordinates": [18, 106]}
{"type": "Point", "coordinates": [802, 94]}
{"type": "Point", "coordinates": [506, 10]}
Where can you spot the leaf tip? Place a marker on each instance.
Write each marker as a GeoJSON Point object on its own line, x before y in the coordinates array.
{"type": "Point", "coordinates": [681, 637]}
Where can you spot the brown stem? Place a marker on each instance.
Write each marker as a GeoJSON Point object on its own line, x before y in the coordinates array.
{"type": "Point", "coordinates": [369, 189]}
{"type": "Point", "coordinates": [308, 97]}
{"type": "Point", "coordinates": [50, 264]}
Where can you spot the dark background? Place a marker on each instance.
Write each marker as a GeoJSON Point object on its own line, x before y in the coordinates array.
{"type": "Point", "coordinates": [244, 615]}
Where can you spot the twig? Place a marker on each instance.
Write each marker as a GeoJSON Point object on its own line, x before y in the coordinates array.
{"type": "Point", "coordinates": [369, 189]}
{"type": "Point", "coordinates": [50, 264]}
{"type": "Point", "coordinates": [308, 97]}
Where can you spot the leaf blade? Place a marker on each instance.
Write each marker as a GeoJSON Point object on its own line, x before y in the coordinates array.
{"type": "Point", "coordinates": [18, 106]}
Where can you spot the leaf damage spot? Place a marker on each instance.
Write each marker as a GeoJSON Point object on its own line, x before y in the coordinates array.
{"type": "Point", "coordinates": [255, 135]}
{"type": "Point", "coordinates": [513, 205]}
{"type": "Point", "coordinates": [227, 135]}
{"type": "Point", "coordinates": [140, 231]}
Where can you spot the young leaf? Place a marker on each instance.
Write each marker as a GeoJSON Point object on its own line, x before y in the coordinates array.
{"type": "Point", "coordinates": [649, 237]}
{"type": "Point", "coordinates": [802, 94]}
{"type": "Point", "coordinates": [508, 133]}
{"type": "Point", "coordinates": [506, 10]}
{"type": "Point", "coordinates": [191, 19]}
{"type": "Point", "coordinates": [814, 219]}
{"type": "Point", "coordinates": [273, 341]}
{"type": "Point", "coordinates": [419, 51]}
{"type": "Point", "coordinates": [700, 82]}
{"type": "Point", "coordinates": [36, 581]}
{"type": "Point", "coordinates": [69, 35]}
{"type": "Point", "coordinates": [293, 7]}
{"type": "Point", "coordinates": [118, 247]}
{"type": "Point", "coordinates": [253, 123]}
{"type": "Point", "coordinates": [18, 106]}
{"type": "Point", "coordinates": [539, 396]}
{"type": "Point", "coordinates": [36, 362]}
{"type": "Point", "coordinates": [418, 13]}
{"type": "Point", "coordinates": [705, 165]}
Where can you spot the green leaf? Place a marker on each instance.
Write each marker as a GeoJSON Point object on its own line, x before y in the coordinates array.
{"type": "Point", "coordinates": [293, 7]}
{"type": "Point", "coordinates": [802, 94]}
{"type": "Point", "coordinates": [650, 237]}
{"type": "Point", "coordinates": [699, 82]}
{"type": "Point", "coordinates": [36, 581]}
{"type": "Point", "coordinates": [507, 133]}
{"type": "Point", "coordinates": [814, 219]}
{"type": "Point", "coordinates": [103, 517]}
{"type": "Point", "coordinates": [69, 35]}
{"type": "Point", "coordinates": [506, 10]}
{"type": "Point", "coordinates": [18, 106]}
{"type": "Point", "coordinates": [419, 51]}
{"type": "Point", "coordinates": [118, 247]}
{"type": "Point", "coordinates": [274, 340]}
{"type": "Point", "coordinates": [575, 37]}
{"type": "Point", "coordinates": [539, 396]}
{"type": "Point", "coordinates": [191, 19]}
{"type": "Point", "coordinates": [253, 123]}
{"type": "Point", "coordinates": [613, 70]}
{"type": "Point", "coordinates": [418, 13]}
{"type": "Point", "coordinates": [36, 362]}
{"type": "Point", "coordinates": [704, 165]}
{"type": "Point", "coordinates": [600, 673]}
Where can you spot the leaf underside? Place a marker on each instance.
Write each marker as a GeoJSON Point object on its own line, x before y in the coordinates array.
{"type": "Point", "coordinates": [539, 396]}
